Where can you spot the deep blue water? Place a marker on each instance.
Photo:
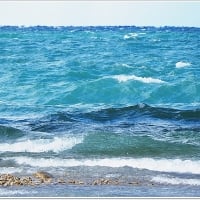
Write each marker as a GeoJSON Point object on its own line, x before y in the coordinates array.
{"type": "Point", "coordinates": [102, 96]}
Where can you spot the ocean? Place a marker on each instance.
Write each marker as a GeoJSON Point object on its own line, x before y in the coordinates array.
{"type": "Point", "coordinates": [119, 102]}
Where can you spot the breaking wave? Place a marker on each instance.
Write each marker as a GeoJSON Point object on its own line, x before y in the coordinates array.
{"type": "Point", "coordinates": [181, 64]}
{"type": "Point", "coordinates": [42, 145]}
{"type": "Point", "coordinates": [124, 78]}
{"type": "Point", "coordinates": [162, 165]}
{"type": "Point", "coordinates": [176, 181]}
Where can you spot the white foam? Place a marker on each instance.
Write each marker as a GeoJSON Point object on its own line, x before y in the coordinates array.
{"type": "Point", "coordinates": [132, 35]}
{"type": "Point", "coordinates": [176, 181]}
{"type": "Point", "coordinates": [163, 165]}
{"type": "Point", "coordinates": [10, 170]}
{"type": "Point", "coordinates": [126, 65]}
{"type": "Point", "coordinates": [124, 78]}
{"type": "Point", "coordinates": [155, 40]}
{"type": "Point", "coordinates": [56, 144]}
{"type": "Point", "coordinates": [8, 192]}
{"type": "Point", "coordinates": [182, 64]}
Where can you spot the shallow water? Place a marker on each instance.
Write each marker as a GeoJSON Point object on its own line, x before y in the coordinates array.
{"type": "Point", "coordinates": [102, 191]}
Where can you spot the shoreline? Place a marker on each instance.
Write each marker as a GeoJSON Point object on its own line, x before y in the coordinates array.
{"type": "Point", "coordinates": [45, 178]}
{"type": "Point", "coordinates": [85, 183]}
{"type": "Point", "coordinates": [95, 191]}
{"type": "Point", "coordinates": [43, 181]}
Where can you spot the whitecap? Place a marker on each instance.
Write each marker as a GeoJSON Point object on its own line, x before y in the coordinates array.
{"type": "Point", "coordinates": [56, 144]}
{"type": "Point", "coordinates": [155, 40]}
{"type": "Point", "coordinates": [181, 64]}
{"type": "Point", "coordinates": [130, 35]}
{"type": "Point", "coordinates": [133, 35]}
{"type": "Point", "coordinates": [162, 165]}
{"type": "Point", "coordinates": [124, 78]}
{"type": "Point", "coordinates": [176, 181]}
{"type": "Point", "coordinates": [126, 65]}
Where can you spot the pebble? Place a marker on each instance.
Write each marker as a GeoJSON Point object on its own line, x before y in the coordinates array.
{"type": "Point", "coordinates": [10, 180]}
{"type": "Point", "coordinates": [61, 181]}
{"type": "Point", "coordinates": [76, 182]}
{"type": "Point", "coordinates": [45, 177]}
{"type": "Point", "coordinates": [133, 183]}
{"type": "Point", "coordinates": [104, 182]}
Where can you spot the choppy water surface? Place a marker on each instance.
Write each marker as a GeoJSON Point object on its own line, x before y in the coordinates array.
{"type": "Point", "coordinates": [119, 98]}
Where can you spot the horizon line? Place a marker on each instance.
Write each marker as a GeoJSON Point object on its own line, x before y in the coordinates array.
{"type": "Point", "coordinates": [63, 26]}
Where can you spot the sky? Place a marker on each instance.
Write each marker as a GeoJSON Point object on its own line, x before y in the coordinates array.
{"type": "Point", "coordinates": [91, 13]}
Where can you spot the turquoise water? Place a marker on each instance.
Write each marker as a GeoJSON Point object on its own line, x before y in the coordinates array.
{"type": "Point", "coordinates": [101, 96]}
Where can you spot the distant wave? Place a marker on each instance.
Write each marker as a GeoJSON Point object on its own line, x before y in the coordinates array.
{"type": "Point", "coordinates": [132, 35]}
{"type": "Point", "coordinates": [126, 65]}
{"type": "Point", "coordinates": [162, 165]}
{"type": "Point", "coordinates": [124, 78]}
{"type": "Point", "coordinates": [181, 64]}
{"type": "Point", "coordinates": [41, 145]}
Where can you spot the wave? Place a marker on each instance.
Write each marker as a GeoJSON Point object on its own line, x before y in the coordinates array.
{"type": "Point", "coordinates": [176, 181]}
{"type": "Point", "coordinates": [126, 65]}
{"type": "Point", "coordinates": [132, 35]}
{"type": "Point", "coordinates": [138, 143]}
{"type": "Point", "coordinates": [10, 170]}
{"type": "Point", "coordinates": [10, 133]}
{"type": "Point", "coordinates": [162, 165]}
{"type": "Point", "coordinates": [63, 121]}
{"type": "Point", "coordinates": [138, 131]}
{"type": "Point", "coordinates": [54, 122]}
{"type": "Point", "coordinates": [115, 141]}
{"type": "Point", "coordinates": [56, 144]}
{"type": "Point", "coordinates": [181, 64]}
{"type": "Point", "coordinates": [124, 78]}
{"type": "Point", "coordinates": [140, 110]}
